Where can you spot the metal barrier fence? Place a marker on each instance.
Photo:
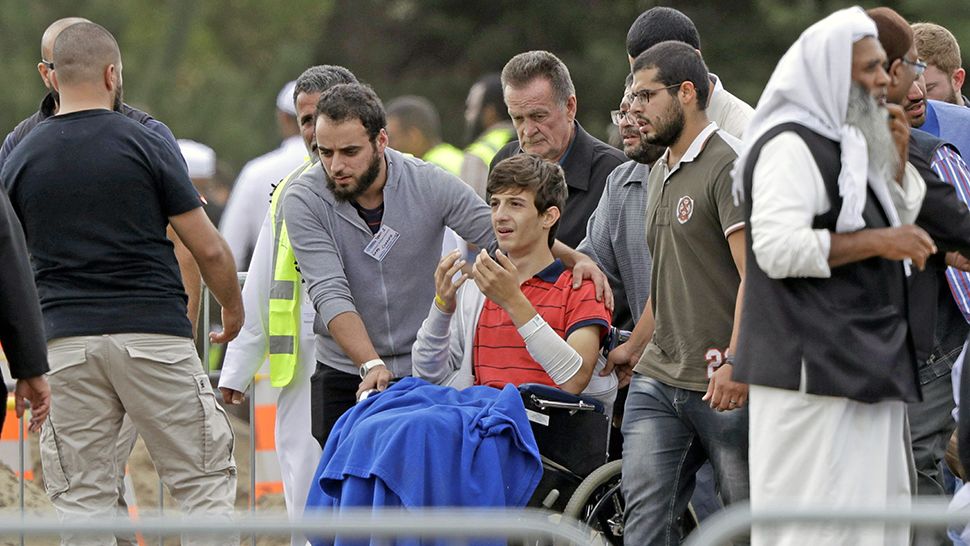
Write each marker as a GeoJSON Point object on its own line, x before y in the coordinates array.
{"type": "Point", "coordinates": [733, 521]}
{"type": "Point", "coordinates": [457, 526]}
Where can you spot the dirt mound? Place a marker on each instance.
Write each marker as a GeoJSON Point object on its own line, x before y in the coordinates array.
{"type": "Point", "coordinates": [144, 478]}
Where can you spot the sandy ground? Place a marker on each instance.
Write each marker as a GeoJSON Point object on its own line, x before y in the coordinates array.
{"type": "Point", "coordinates": [146, 486]}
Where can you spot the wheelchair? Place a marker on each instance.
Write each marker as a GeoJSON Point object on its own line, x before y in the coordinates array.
{"type": "Point", "coordinates": [572, 433]}
{"type": "Point", "coordinates": [580, 479]}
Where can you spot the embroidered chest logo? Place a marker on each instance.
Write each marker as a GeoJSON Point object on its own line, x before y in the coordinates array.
{"type": "Point", "coordinates": [685, 209]}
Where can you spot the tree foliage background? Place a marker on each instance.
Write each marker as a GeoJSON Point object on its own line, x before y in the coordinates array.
{"type": "Point", "coordinates": [211, 69]}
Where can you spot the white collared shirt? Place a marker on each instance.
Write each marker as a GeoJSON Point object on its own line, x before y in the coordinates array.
{"type": "Point", "coordinates": [783, 241]}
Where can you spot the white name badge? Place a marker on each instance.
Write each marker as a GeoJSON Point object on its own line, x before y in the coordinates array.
{"type": "Point", "coordinates": [381, 244]}
{"type": "Point", "coordinates": [307, 309]}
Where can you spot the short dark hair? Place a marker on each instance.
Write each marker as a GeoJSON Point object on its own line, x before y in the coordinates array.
{"type": "Point", "coordinates": [530, 172]}
{"type": "Point", "coordinates": [318, 79]}
{"type": "Point", "coordinates": [522, 69]}
{"type": "Point", "coordinates": [349, 101]}
{"type": "Point", "coordinates": [677, 62]}
{"type": "Point", "coordinates": [418, 112]}
{"type": "Point", "coordinates": [82, 51]}
{"type": "Point", "coordinates": [660, 24]}
{"type": "Point", "coordinates": [492, 95]}
{"type": "Point", "coordinates": [895, 34]}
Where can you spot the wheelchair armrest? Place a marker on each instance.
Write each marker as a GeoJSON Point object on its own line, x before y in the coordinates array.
{"type": "Point", "coordinates": [559, 396]}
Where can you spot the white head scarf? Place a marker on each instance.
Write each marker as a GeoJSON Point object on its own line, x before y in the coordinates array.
{"type": "Point", "coordinates": [810, 86]}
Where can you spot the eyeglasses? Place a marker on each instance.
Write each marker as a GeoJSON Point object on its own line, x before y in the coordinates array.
{"type": "Point", "coordinates": [644, 95]}
{"type": "Point", "coordinates": [617, 116]}
{"type": "Point", "coordinates": [48, 64]}
{"type": "Point", "coordinates": [918, 66]}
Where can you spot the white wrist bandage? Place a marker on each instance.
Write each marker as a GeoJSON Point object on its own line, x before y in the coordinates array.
{"type": "Point", "coordinates": [556, 357]}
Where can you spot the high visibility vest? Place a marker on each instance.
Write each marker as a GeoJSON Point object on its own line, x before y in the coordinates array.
{"type": "Point", "coordinates": [285, 293]}
{"type": "Point", "coordinates": [446, 156]}
{"type": "Point", "coordinates": [490, 143]}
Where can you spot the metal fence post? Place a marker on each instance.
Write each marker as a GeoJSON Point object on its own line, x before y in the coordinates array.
{"type": "Point", "coordinates": [23, 471]}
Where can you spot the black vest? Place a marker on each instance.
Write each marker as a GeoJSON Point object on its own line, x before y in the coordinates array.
{"type": "Point", "coordinates": [850, 330]}
{"type": "Point", "coordinates": [937, 323]}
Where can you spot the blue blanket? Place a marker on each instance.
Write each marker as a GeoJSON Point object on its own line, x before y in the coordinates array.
{"type": "Point", "coordinates": [418, 444]}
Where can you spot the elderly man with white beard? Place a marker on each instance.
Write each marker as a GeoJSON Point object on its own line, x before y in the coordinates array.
{"type": "Point", "coordinates": [825, 341]}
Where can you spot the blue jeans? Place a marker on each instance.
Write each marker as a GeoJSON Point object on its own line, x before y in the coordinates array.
{"type": "Point", "coordinates": [668, 433]}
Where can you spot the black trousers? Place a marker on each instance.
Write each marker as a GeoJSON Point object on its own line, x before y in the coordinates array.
{"type": "Point", "coordinates": [332, 393]}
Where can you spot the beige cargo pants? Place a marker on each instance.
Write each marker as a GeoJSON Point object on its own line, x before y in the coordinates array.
{"type": "Point", "coordinates": [158, 381]}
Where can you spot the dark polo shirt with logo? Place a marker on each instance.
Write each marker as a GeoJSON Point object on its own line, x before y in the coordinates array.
{"type": "Point", "coordinates": [690, 213]}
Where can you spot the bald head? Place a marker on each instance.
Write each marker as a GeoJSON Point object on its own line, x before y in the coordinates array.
{"type": "Point", "coordinates": [47, 41]}
{"type": "Point", "coordinates": [82, 52]}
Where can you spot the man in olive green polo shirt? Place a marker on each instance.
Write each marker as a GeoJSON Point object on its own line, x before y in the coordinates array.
{"type": "Point", "coordinates": [682, 408]}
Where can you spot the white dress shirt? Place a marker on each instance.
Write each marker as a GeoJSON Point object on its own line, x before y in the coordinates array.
{"type": "Point", "coordinates": [783, 241]}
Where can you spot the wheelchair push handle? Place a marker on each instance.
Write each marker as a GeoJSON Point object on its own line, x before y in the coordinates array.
{"type": "Point", "coordinates": [580, 405]}
{"type": "Point", "coordinates": [614, 338]}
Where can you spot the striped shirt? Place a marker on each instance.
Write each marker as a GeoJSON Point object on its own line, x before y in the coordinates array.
{"type": "Point", "coordinates": [500, 354]}
{"type": "Point", "coordinates": [951, 168]}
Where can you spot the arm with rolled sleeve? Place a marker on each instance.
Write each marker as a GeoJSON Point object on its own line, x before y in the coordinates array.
{"type": "Point", "coordinates": [248, 351]}
{"type": "Point", "coordinates": [783, 241]}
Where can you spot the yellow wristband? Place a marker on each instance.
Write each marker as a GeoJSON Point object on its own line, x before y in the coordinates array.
{"type": "Point", "coordinates": [440, 302]}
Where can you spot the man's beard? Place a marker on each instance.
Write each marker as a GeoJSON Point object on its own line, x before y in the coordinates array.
{"type": "Point", "coordinates": [669, 128]}
{"type": "Point", "coordinates": [873, 121]}
{"type": "Point", "coordinates": [644, 152]}
{"type": "Point", "coordinates": [363, 183]}
{"type": "Point", "coordinates": [118, 99]}
{"type": "Point", "coordinates": [952, 97]}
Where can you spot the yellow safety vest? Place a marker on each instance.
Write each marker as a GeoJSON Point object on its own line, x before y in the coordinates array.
{"type": "Point", "coordinates": [285, 293]}
{"type": "Point", "coordinates": [490, 143]}
{"type": "Point", "coordinates": [446, 156]}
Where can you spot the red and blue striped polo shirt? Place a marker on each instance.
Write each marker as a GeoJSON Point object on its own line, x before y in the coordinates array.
{"type": "Point", "coordinates": [500, 355]}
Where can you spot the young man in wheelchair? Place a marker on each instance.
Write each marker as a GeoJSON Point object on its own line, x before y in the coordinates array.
{"type": "Point", "coordinates": [518, 321]}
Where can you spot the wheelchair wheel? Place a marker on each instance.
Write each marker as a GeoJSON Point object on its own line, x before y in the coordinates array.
{"type": "Point", "coordinates": [598, 502]}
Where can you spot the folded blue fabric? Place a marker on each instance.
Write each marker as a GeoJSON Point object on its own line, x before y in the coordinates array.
{"type": "Point", "coordinates": [421, 445]}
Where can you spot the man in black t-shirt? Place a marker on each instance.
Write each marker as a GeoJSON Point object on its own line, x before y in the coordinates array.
{"type": "Point", "coordinates": [187, 266]}
{"type": "Point", "coordinates": [48, 108]}
{"type": "Point", "coordinates": [94, 191]}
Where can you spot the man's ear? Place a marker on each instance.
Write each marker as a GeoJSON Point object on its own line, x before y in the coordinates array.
{"type": "Point", "coordinates": [894, 72]}
{"type": "Point", "coordinates": [381, 140]}
{"type": "Point", "coordinates": [108, 77]}
{"type": "Point", "coordinates": [958, 77]}
{"type": "Point", "coordinates": [687, 93]}
{"type": "Point", "coordinates": [44, 74]}
{"type": "Point", "coordinates": [571, 105]}
{"type": "Point", "coordinates": [550, 216]}
{"type": "Point", "coordinates": [53, 78]}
